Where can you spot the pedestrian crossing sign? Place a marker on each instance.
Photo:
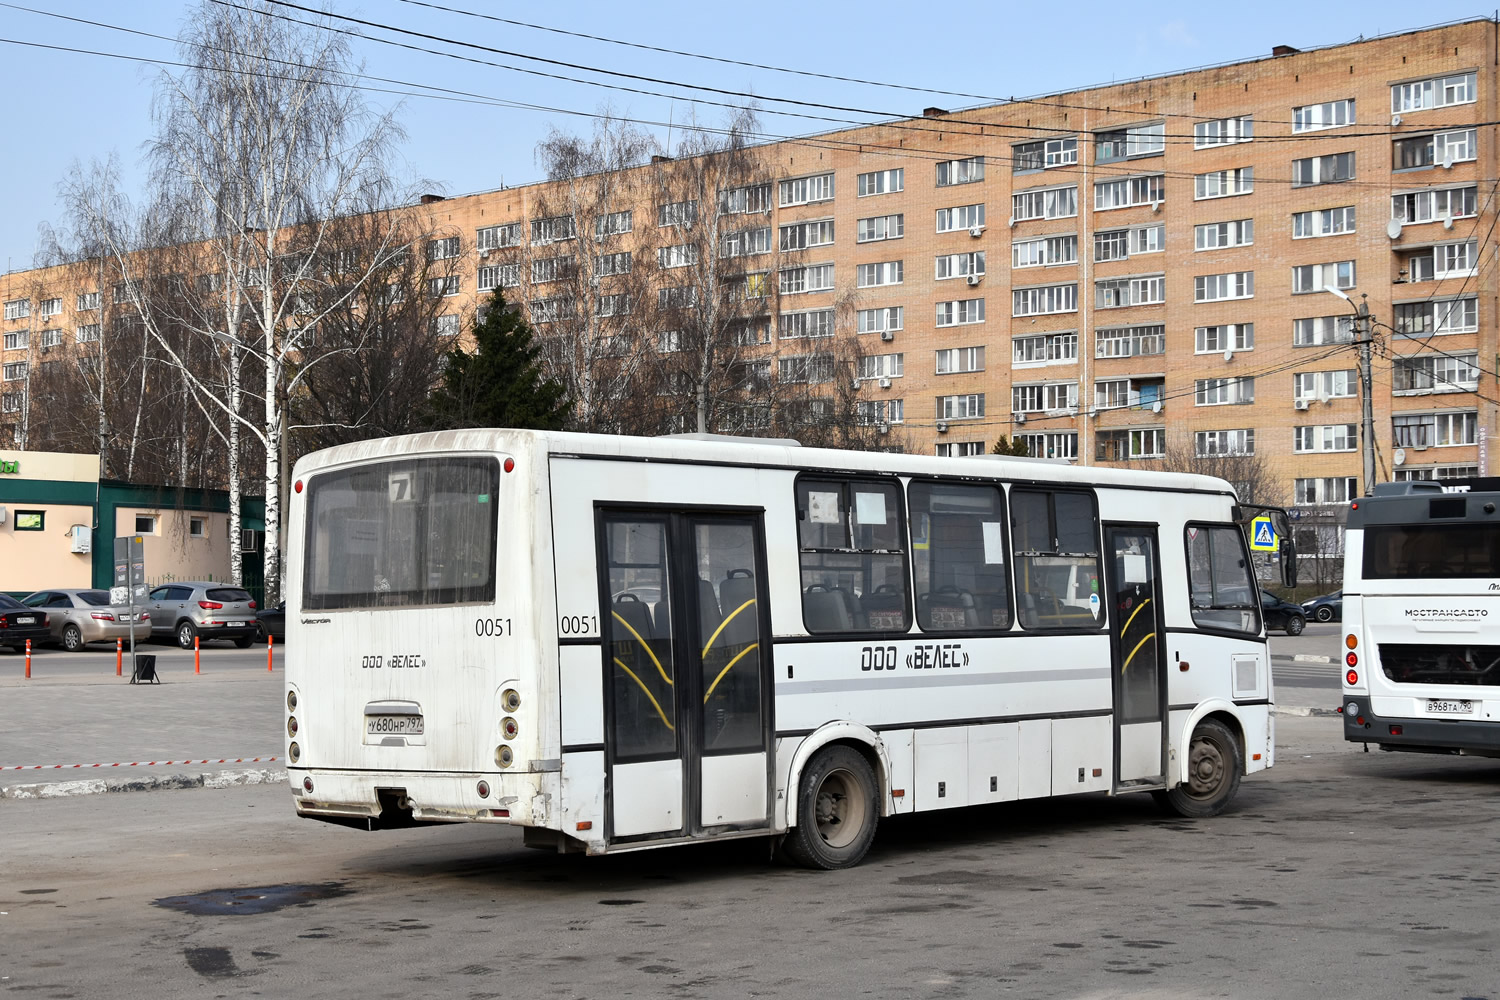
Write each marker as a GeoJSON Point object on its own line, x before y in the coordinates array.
{"type": "Point", "coordinates": [1262, 535]}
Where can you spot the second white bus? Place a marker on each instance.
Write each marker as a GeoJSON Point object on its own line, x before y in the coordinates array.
{"type": "Point", "coordinates": [619, 643]}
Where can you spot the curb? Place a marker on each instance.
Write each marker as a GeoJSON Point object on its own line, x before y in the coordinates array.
{"type": "Point", "coordinates": [1303, 712]}
{"type": "Point", "coordinates": [95, 786]}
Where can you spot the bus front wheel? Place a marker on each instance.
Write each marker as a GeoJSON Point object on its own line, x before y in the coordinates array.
{"type": "Point", "coordinates": [836, 811]}
{"type": "Point", "coordinates": [1214, 767]}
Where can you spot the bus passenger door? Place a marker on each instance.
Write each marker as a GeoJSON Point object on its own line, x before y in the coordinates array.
{"type": "Point", "coordinates": [1136, 643]}
{"type": "Point", "coordinates": [688, 724]}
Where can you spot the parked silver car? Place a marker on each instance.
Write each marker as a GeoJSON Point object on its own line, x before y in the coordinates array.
{"type": "Point", "coordinates": [204, 610]}
{"type": "Point", "coordinates": [80, 616]}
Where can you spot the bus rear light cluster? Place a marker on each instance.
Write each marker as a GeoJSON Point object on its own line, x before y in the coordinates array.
{"type": "Point", "coordinates": [1352, 659]}
{"type": "Point", "coordinates": [291, 725]}
{"type": "Point", "coordinates": [1351, 640]}
{"type": "Point", "coordinates": [509, 728]}
{"type": "Point", "coordinates": [1352, 677]}
{"type": "Point", "coordinates": [294, 752]}
{"type": "Point", "coordinates": [307, 785]}
{"type": "Point", "coordinates": [483, 788]}
{"type": "Point", "coordinates": [510, 699]}
{"type": "Point", "coordinates": [504, 756]}
{"type": "Point", "coordinates": [291, 701]}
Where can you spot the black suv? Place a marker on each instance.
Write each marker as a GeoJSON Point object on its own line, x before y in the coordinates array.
{"type": "Point", "coordinates": [1282, 615]}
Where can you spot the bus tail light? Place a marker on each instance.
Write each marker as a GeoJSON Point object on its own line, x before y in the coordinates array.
{"type": "Point", "coordinates": [291, 725]}
{"type": "Point", "coordinates": [291, 701]}
{"type": "Point", "coordinates": [1395, 730]}
{"type": "Point", "coordinates": [307, 785]}
{"type": "Point", "coordinates": [509, 728]}
{"type": "Point", "coordinates": [504, 756]}
{"type": "Point", "coordinates": [510, 465]}
{"type": "Point", "coordinates": [483, 788]}
{"type": "Point", "coordinates": [1351, 641]}
{"type": "Point", "coordinates": [294, 752]}
{"type": "Point", "coordinates": [510, 699]}
{"type": "Point", "coordinates": [1352, 677]}
{"type": "Point", "coordinates": [1352, 660]}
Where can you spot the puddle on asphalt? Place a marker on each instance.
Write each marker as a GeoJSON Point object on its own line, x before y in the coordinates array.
{"type": "Point", "coordinates": [252, 899]}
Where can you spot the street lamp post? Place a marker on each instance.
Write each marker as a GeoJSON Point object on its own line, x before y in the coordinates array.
{"type": "Point", "coordinates": [1363, 335]}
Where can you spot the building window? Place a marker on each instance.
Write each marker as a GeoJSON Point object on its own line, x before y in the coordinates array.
{"type": "Point", "coordinates": [1223, 132]}
{"type": "Point", "coordinates": [1132, 392]}
{"type": "Point", "coordinates": [957, 360]}
{"type": "Point", "coordinates": [1141, 140]}
{"type": "Point", "coordinates": [1318, 330]}
{"type": "Point", "coordinates": [683, 255]}
{"type": "Point", "coordinates": [1044, 397]}
{"type": "Point", "coordinates": [1050, 444]}
{"type": "Point", "coordinates": [1445, 148]}
{"type": "Point", "coordinates": [197, 527]}
{"type": "Point", "coordinates": [87, 334]}
{"type": "Point", "coordinates": [1120, 244]}
{"type": "Point", "coordinates": [795, 326]}
{"type": "Point", "coordinates": [881, 411]}
{"type": "Point", "coordinates": [1127, 191]}
{"type": "Point", "coordinates": [966, 171]}
{"type": "Point", "coordinates": [886, 320]}
{"type": "Point", "coordinates": [1211, 444]}
{"type": "Point", "coordinates": [87, 301]}
{"type": "Point", "coordinates": [745, 200]}
{"type": "Point", "coordinates": [962, 407]}
{"type": "Point", "coordinates": [1335, 168]}
{"type": "Point", "coordinates": [1115, 293]}
{"type": "Point", "coordinates": [610, 264]}
{"type": "Point", "coordinates": [445, 326]}
{"type": "Point", "coordinates": [1330, 114]}
{"type": "Point", "coordinates": [882, 366]}
{"type": "Point", "coordinates": [807, 190]}
{"type": "Point", "coordinates": [13, 371]}
{"type": "Point", "coordinates": [1043, 252]}
{"type": "Point", "coordinates": [1325, 222]}
{"type": "Point", "coordinates": [1438, 92]}
{"type": "Point", "coordinates": [1224, 183]}
{"type": "Point", "coordinates": [677, 297]}
{"type": "Point", "coordinates": [881, 227]}
{"type": "Point", "coordinates": [20, 308]}
{"type": "Point", "coordinates": [1045, 203]}
{"type": "Point", "coordinates": [1328, 437]}
{"type": "Point", "coordinates": [1047, 348]}
{"type": "Point", "coordinates": [882, 182]}
{"type": "Point", "coordinates": [807, 368]}
{"type": "Point", "coordinates": [145, 524]}
{"type": "Point", "coordinates": [815, 278]}
{"type": "Point", "coordinates": [1435, 373]}
{"type": "Point", "coordinates": [1215, 287]}
{"type": "Point", "coordinates": [678, 213]}
{"type": "Point", "coordinates": [444, 249]}
{"type": "Point", "coordinates": [1042, 299]}
{"type": "Point", "coordinates": [1340, 384]}
{"type": "Point", "coordinates": [962, 217]}
{"type": "Point", "coordinates": [960, 265]}
{"type": "Point", "coordinates": [1316, 277]}
{"type": "Point", "coordinates": [1128, 445]}
{"type": "Point", "coordinates": [801, 235]}
{"type": "Point", "coordinates": [503, 276]}
{"type": "Point", "coordinates": [962, 312]}
{"type": "Point", "coordinates": [1416, 319]}
{"type": "Point", "coordinates": [1447, 429]}
{"type": "Point", "coordinates": [1434, 205]}
{"type": "Point", "coordinates": [10, 402]}
{"type": "Point", "coordinates": [1221, 235]}
{"type": "Point", "coordinates": [497, 237]}
{"type": "Point", "coordinates": [1226, 337]}
{"type": "Point", "coordinates": [890, 272]}
{"type": "Point", "coordinates": [746, 242]}
{"type": "Point", "coordinates": [17, 340]}
{"type": "Point", "coordinates": [51, 307]}
{"type": "Point", "coordinates": [960, 449]}
{"type": "Point", "coordinates": [1223, 391]}
{"type": "Point", "coordinates": [51, 338]}
{"type": "Point", "coordinates": [556, 309]}
{"type": "Point", "coordinates": [1335, 489]}
{"type": "Point", "coordinates": [1130, 341]}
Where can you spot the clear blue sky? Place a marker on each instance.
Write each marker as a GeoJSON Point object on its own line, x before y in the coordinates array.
{"type": "Point", "coordinates": [67, 106]}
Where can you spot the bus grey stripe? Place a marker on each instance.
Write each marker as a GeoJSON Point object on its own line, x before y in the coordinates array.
{"type": "Point", "coordinates": [876, 681]}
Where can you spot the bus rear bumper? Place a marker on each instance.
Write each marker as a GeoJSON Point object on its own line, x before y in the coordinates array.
{"type": "Point", "coordinates": [1419, 735]}
{"type": "Point", "coordinates": [391, 800]}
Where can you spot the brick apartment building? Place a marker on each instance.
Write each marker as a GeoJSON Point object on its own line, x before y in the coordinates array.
{"type": "Point", "coordinates": [1113, 272]}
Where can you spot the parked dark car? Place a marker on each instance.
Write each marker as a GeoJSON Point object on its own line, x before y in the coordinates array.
{"type": "Point", "coordinates": [1328, 608]}
{"type": "Point", "coordinates": [19, 623]}
{"type": "Point", "coordinates": [1283, 616]}
{"type": "Point", "coordinates": [272, 621]}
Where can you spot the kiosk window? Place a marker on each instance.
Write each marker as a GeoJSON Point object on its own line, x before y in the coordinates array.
{"type": "Point", "coordinates": [1055, 538]}
{"type": "Point", "coordinates": [853, 556]}
{"type": "Point", "coordinates": [958, 557]}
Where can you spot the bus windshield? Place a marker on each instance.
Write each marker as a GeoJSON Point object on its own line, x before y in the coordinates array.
{"type": "Point", "coordinates": [1432, 551]}
{"type": "Point", "coordinates": [412, 533]}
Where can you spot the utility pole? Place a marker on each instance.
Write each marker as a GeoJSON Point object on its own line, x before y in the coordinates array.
{"type": "Point", "coordinates": [1363, 335]}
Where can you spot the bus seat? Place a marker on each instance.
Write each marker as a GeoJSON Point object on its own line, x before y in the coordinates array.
{"type": "Point", "coordinates": [853, 606]}
{"type": "Point", "coordinates": [883, 608]}
{"type": "Point", "coordinates": [633, 612]}
{"type": "Point", "coordinates": [736, 590]}
{"type": "Point", "coordinates": [709, 616]}
{"type": "Point", "coordinates": [947, 609]}
{"type": "Point", "coordinates": [825, 611]}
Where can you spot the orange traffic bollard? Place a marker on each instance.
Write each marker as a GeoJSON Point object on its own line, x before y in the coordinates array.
{"type": "Point", "coordinates": [197, 666]}
{"type": "Point", "coordinates": [269, 640]}
{"type": "Point", "coordinates": [119, 657]}
{"type": "Point", "coordinates": [28, 659]}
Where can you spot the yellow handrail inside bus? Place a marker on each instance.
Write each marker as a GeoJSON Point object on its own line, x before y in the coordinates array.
{"type": "Point", "coordinates": [655, 704]}
{"type": "Point", "coordinates": [737, 656]}
{"type": "Point", "coordinates": [644, 645]}
{"type": "Point", "coordinates": [1137, 649]}
{"type": "Point", "coordinates": [726, 621]}
{"type": "Point", "coordinates": [1126, 627]}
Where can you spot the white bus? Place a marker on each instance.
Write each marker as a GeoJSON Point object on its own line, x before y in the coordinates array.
{"type": "Point", "coordinates": [1422, 620]}
{"type": "Point", "coordinates": [619, 643]}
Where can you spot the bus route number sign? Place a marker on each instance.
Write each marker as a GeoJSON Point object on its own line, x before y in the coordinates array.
{"type": "Point", "coordinates": [1262, 535]}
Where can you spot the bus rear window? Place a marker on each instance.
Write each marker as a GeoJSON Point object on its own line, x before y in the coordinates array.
{"type": "Point", "coordinates": [1432, 551]}
{"type": "Point", "coordinates": [410, 533]}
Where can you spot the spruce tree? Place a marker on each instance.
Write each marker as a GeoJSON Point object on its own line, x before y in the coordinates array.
{"type": "Point", "coordinates": [1009, 446]}
{"type": "Point", "coordinates": [500, 384]}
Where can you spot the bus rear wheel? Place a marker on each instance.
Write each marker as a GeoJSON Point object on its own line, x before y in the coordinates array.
{"type": "Point", "coordinates": [1214, 767]}
{"type": "Point", "coordinates": [836, 811]}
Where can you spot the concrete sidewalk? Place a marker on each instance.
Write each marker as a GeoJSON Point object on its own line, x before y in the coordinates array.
{"type": "Point", "coordinates": [75, 728]}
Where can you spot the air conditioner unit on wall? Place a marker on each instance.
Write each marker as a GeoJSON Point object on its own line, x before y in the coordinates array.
{"type": "Point", "coordinates": [887, 335]}
{"type": "Point", "coordinates": [973, 279]}
{"type": "Point", "coordinates": [249, 540]}
{"type": "Point", "coordinates": [885, 383]}
{"type": "Point", "coordinates": [976, 231]}
{"type": "Point", "coordinates": [1300, 404]}
{"type": "Point", "coordinates": [942, 427]}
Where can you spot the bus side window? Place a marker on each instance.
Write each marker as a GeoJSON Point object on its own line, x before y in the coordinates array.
{"type": "Point", "coordinates": [958, 557]}
{"type": "Point", "coordinates": [1220, 586]}
{"type": "Point", "coordinates": [852, 538]}
{"type": "Point", "coordinates": [1055, 539]}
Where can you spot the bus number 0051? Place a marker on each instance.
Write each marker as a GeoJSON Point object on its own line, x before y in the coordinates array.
{"type": "Point", "coordinates": [578, 624]}
{"type": "Point", "coordinates": [492, 626]}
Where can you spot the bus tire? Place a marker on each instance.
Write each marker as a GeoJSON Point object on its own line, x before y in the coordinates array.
{"type": "Point", "coordinates": [836, 810]}
{"type": "Point", "coordinates": [1215, 763]}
